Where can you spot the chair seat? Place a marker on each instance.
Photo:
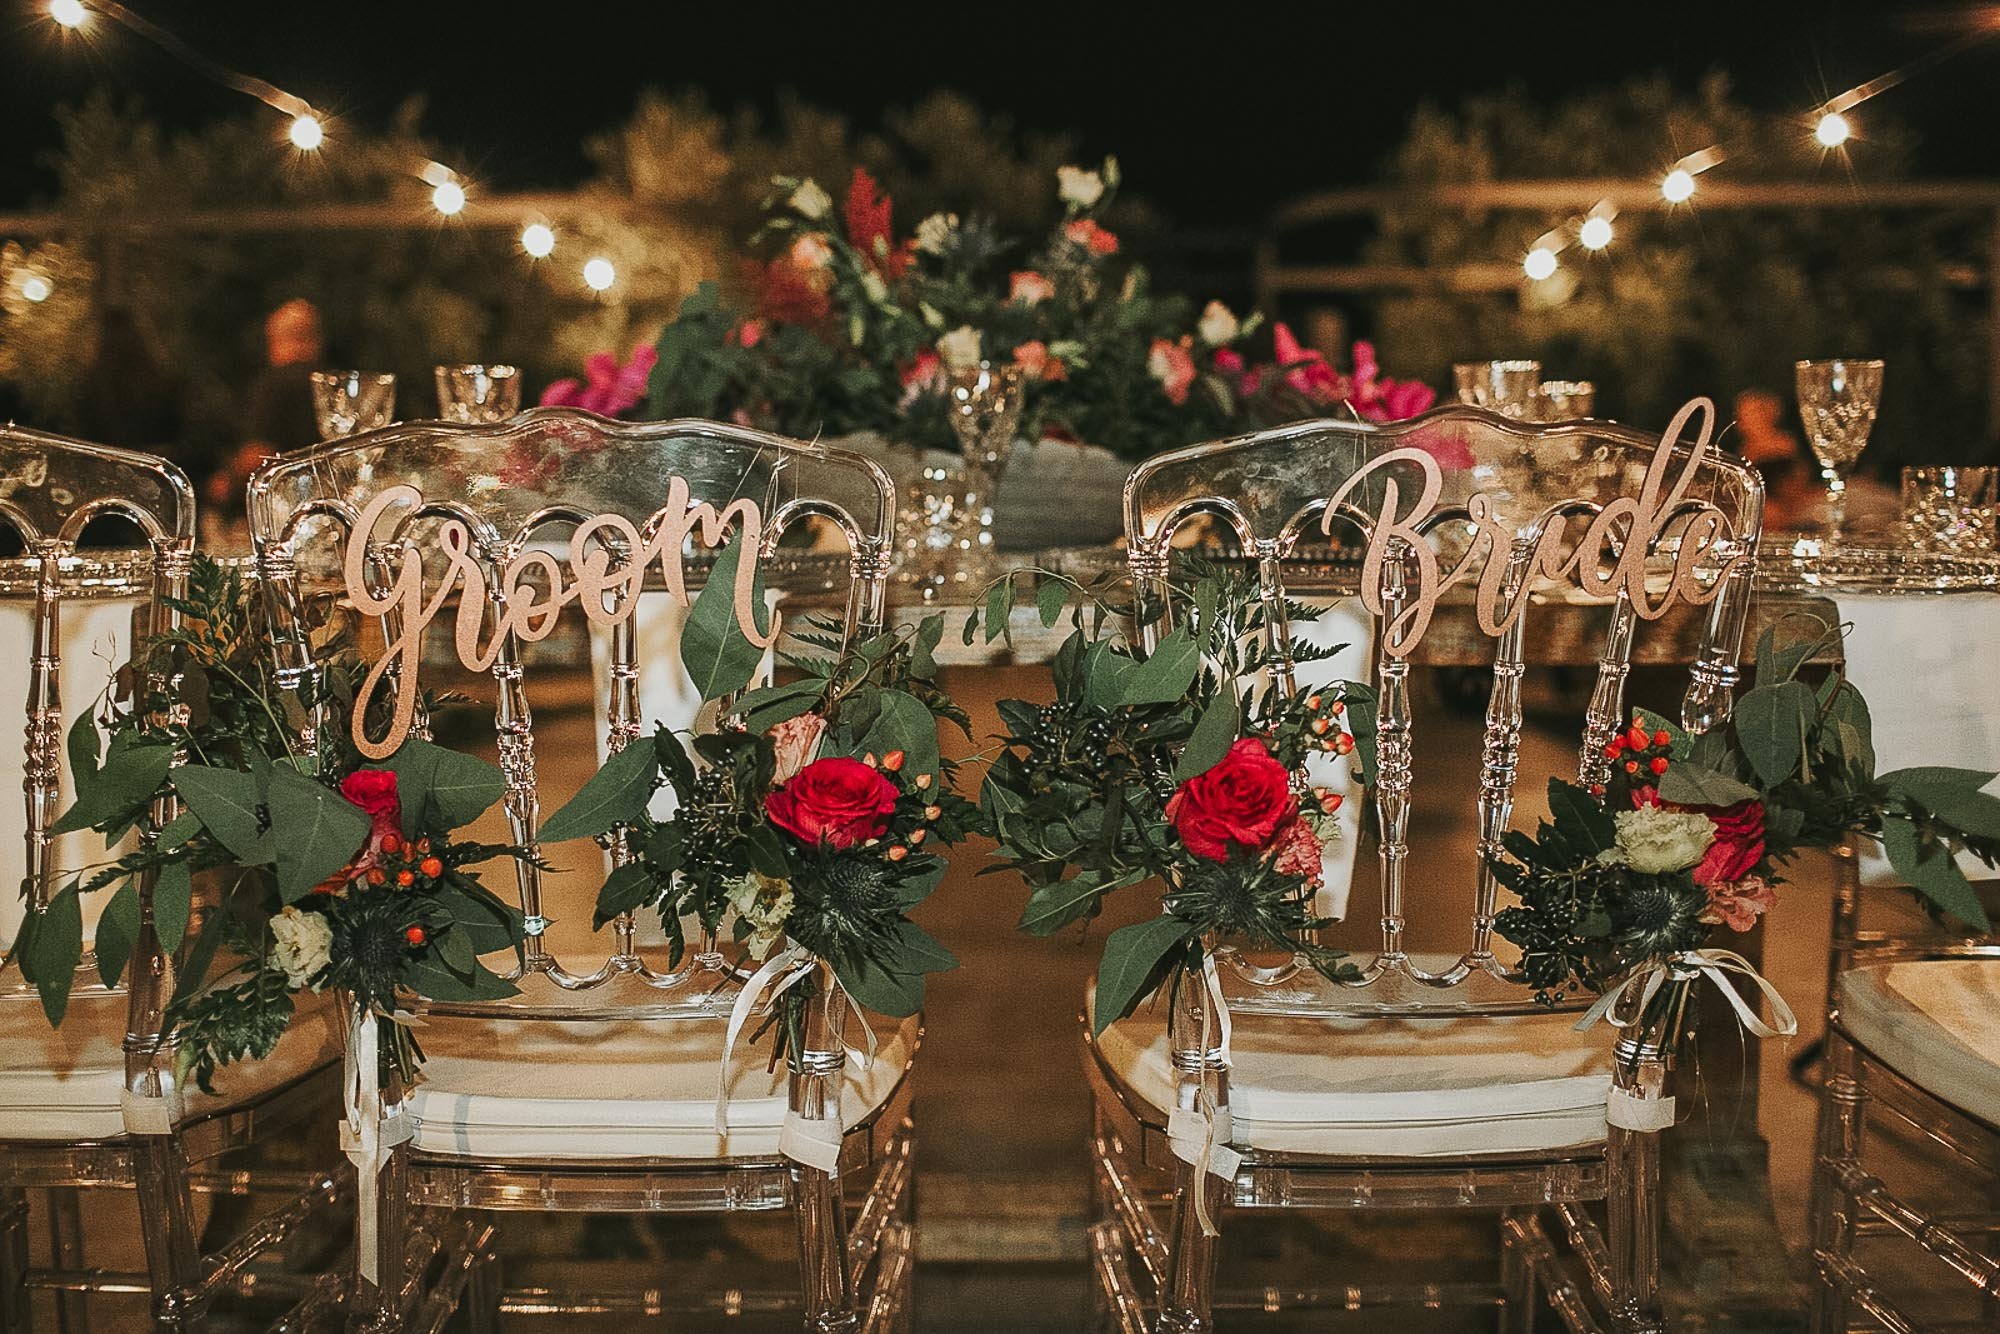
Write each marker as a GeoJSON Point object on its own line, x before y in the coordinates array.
{"type": "Point", "coordinates": [66, 1084]}
{"type": "Point", "coordinates": [1936, 1022]}
{"type": "Point", "coordinates": [552, 1089]}
{"type": "Point", "coordinates": [1391, 1088]}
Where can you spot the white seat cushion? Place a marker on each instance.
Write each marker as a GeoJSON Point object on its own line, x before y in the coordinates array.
{"type": "Point", "coordinates": [1391, 1088]}
{"type": "Point", "coordinates": [529, 1088]}
{"type": "Point", "coordinates": [1936, 1022]}
{"type": "Point", "coordinates": [66, 1084]}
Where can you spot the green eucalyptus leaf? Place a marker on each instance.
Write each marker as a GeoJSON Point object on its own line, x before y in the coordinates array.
{"type": "Point", "coordinates": [1133, 965]}
{"type": "Point", "coordinates": [442, 789]}
{"type": "Point", "coordinates": [82, 747]}
{"type": "Point", "coordinates": [1771, 723]}
{"type": "Point", "coordinates": [1932, 871]}
{"type": "Point", "coordinates": [1691, 784]}
{"type": "Point", "coordinates": [57, 949]}
{"type": "Point", "coordinates": [1214, 733]}
{"type": "Point", "coordinates": [1581, 814]}
{"type": "Point", "coordinates": [1678, 742]}
{"type": "Point", "coordinates": [615, 794]}
{"type": "Point", "coordinates": [173, 902]}
{"type": "Point", "coordinates": [874, 987]}
{"type": "Point", "coordinates": [1952, 795]}
{"type": "Point", "coordinates": [923, 647]}
{"type": "Point", "coordinates": [718, 656]}
{"type": "Point", "coordinates": [132, 773]}
{"type": "Point", "coordinates": [434, 981]}
{"type": "Point", "coordinates": [486, 920]}
{"type": "Point", "coordinates": [999, 606]}
{"type": "Point", "coordinates": [1165, 675]}
{"type": "Point", "coordinates": [229, 806]}
{"type": "Point", "coordinates": [1050, 599]}
{"type": "Point", "coordinates": [316, 830]}
{"type": "Point", "coordinates": [1053, 907]}
{"type": "Point", "coordinates": [626, 889]}
{"type": "Point", "coordinates": [903, 722]}
{"type": "Point", "coordinates": [766, 708]}
{"type": "Point", "coordinates": [117, 933]}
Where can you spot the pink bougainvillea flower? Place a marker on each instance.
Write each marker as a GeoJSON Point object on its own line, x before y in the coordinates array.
{"type": "Point", "coordinates": [1305, 370]}
{"type": "Point", "coordinates": [1173, 366]}
{"type": "Point", "coordinates": [608, 388]}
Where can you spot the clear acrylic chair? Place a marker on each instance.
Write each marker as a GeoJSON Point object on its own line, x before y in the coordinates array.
{"type": "Point", "coordinates": [94, 1103]}
{"type": "Point", "coordinates": [1430, 1082]}
{"type": "Point", "coordinates": [594, 1090]}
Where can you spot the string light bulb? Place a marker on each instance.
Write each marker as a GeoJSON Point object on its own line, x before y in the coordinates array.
{"type": "Point", "coordinates": [1595, 233]}
{"type": "Point", "coordinates": [448, 198]}
{"type": "Point", "coordinates": [1833, 130]}
{"type": "Point", "coordinates": [1678, 187]}
{"type": "Point", "coordinates": [1540, 263]}
{"type": "Point", "coordinates": [36, 288]}
{"type": "Point", "coordinates": [599, 274]}
{"type": "Point", "coordinates": [306, 132]}
{"type": "Point", "coordinates": [69, 13]}
{"type": "Point", "coordinates": [538, 240]}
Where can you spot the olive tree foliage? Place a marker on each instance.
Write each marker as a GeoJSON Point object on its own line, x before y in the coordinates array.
{"type": "Point", "coordinates": [1693, 300]}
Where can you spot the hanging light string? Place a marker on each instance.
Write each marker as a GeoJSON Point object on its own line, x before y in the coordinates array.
{"type": "Point", "coordinates": [1830, 126]}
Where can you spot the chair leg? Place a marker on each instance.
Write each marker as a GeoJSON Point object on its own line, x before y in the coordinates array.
{"type": "Point", "coordinates": [166, 1219]}
{"type": "Point", "coordinates": [66, 1252]}
{"type": "Point", "coordinates": [13, 1261]}
{"type": "Point", "coordinates": [1517, 1280]}
{"type": "Point", "coordinates": [483, 1293]}
{"type": "Point", "coordinates": [822, 1222]}
{"type": "Point", "coordinates": [1842, 1114]}
{"type": "Point", "coordinates": [1633, 1232]}
{"type": "Point", "coordinates": [1187, 1303]}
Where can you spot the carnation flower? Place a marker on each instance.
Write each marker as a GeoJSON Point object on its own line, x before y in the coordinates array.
{"type": "Point", "coordinates": [935, 232]}
{"type": "Point", "coordinates": [811, 201]}
{"type": "Point", "coordinates": [1299, 852]}
{"type": "Point", "coordinates": [960, 347]}
{"type": "Point", "coordinates": [1737, 904]}
{"type": "Point", "coordinates": [1028, 287]}
{"type": "Point", "coordinates": [766, 904]}
{"type": "Point", "coordinates": [301, 944]}
{"type": "Point", "coordinates": [1219, 324]}
{"type": "Point", "coordinates": [1653, 840]}
{"type": "Point", "coordinates": [1079, 187]}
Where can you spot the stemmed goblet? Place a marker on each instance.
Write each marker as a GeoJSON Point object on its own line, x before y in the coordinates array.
{"type": "Point", "coordinates": [1837, 400]}
{"type": "Point", "coordinates": [984, 403]}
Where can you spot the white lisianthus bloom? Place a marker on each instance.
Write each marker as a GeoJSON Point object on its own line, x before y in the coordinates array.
{"type": "Point", "coordinates": [766, 904]}
{"type": "Point", "coordinates": [1656, 841]}
{"type": "Point", "coordinates": [1218, 325]}
{"type": "Point", "coordinates": [935, 232]}
{"type": "Point", "coordinates": [809, 200]}
{"type": "Point", "coordinates": [1079, 187]}
{"type": "Point", "coordinates": [302, 944]}
{"type": "Point", "coordinates": [960, 348]}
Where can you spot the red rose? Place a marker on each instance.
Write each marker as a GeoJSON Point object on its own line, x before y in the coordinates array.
{"type": "Point", "coordinates": [374, 791]}
{"type": "Point", "coordinates": [1739, 842]}
{"type": "Point", "coordinates": [835, 801]}
{"type": "Point", "coordinates": [1244, 800]}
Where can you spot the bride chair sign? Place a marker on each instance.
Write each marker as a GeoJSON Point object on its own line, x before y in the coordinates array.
{"type": "Point", "coordinates": [110, 1095]}
{"type": "Point", "coordinates": [807, 822]}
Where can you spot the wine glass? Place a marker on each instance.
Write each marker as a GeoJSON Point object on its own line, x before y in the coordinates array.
{"type": "Point", "coordinates": [345, 402]}
{"type": "Point", "coordinates": [478, 393]}
{"type": "Point", "coordinates": [1837, 400]}
{"type": "Point", "coordinates": [984, 403]}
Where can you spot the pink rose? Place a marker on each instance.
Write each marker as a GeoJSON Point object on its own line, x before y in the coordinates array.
{"type": "Point", "coordinates": [794, 740]}
{"type": "Point", "coordinates": [1738, 846]}
{"type": "Point", "coordinates": [1028, 287]}
{"type": "Point", "coordinates": [1173, 367]}
{"type": "Point", "coordinates": [1737, 904]}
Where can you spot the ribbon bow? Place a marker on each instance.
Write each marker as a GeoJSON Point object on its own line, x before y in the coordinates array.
{"type": "Point", "coordinates": [813, 1143]}
{"type": "Point", "coordinates": [1712, 964]}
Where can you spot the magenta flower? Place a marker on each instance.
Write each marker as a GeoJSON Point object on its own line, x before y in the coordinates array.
{"type": "Point", "coordinates": [607, 389]}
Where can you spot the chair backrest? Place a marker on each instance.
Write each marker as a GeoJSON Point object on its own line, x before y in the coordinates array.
{"type": "Point", "coordinates": [1464, 505]}
{"type": "Point", "coordinates": [524, 508]}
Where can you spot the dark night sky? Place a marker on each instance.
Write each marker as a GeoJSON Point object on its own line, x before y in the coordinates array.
{"type": "Point", "coordinates": [1218, 113]}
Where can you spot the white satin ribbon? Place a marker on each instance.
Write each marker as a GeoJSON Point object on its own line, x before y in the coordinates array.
{"type": "Point", "coordinates": [1629, 1111]}
{"type": "Point", "coordinates": [145, 1115]}
{"type": "Point", "coordinates": [800, 1140]}
{"type": "Point", "coordinates": [1199, 1136]}
{"type": "Point", "coordinates": [368, 1132]}
{"type": "Point", "coordinates": [1715, 965]}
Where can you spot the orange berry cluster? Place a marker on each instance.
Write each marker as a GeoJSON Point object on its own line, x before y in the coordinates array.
{"type": "Point", "coordinates": [1640, 754]}
{"type": "Point", "coordinates": [893, 763]}
{"type": "Point", "coordinates": [403, 862]}
{"type": "Point", "coordinates": [1324, 725]}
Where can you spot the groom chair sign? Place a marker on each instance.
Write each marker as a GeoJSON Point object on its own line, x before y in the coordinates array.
{"type": "Point", "coordinates": [1396, 1079]}
{"type": "Point", "coordinates": [548, 1088]}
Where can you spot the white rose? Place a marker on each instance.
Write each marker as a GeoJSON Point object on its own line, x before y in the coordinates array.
{"type": "Point", "coordinates": [1656, 841]}
{"type": "Point", "coordinates": [302, 944]}
{"type": "Point", "coordinates": [811, 251]}
{"type": "Point", "coordinates": [1079, 187]}
{"type": "Point", "coordinates": [960, 348]}
{"type": "Point", "coordinates": [1218, 324]}
{"type": "Point", "coordinates": [809, 200]}
{"type": "Point", "coordinates": [935, 232]}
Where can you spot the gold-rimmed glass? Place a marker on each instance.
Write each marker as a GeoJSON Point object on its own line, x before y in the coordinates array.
{"type": "Point", "coordinates": [1506, 387]}
{"type": "Point", "coordinates": [348, 402]}
{"type": "Point", "coordinates": [478, 393]}
{"type": "Point", "coordinates": [1838, 399]}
